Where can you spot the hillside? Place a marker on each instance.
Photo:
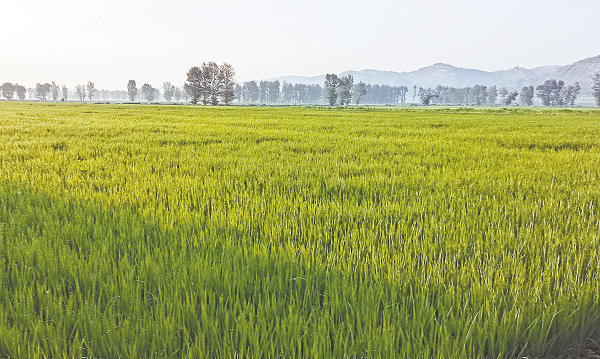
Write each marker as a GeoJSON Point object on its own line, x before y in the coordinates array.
{"type": "Point", "coordinates": [448, 75]}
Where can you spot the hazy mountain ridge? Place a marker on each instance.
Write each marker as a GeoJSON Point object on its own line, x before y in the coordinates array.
{"type": "Point", "coordinates": [447, 75]}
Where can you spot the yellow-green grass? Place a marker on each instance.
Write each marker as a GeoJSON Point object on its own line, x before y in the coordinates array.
{"type": "Point", "coordinates": [201, 232]}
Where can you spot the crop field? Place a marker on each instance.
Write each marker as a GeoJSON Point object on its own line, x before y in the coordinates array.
{"type": "Point", "coordinates": [213, 232]}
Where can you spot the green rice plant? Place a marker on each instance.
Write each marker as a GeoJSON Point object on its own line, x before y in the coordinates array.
{"type": "Point", "coordinates": [170, 231]}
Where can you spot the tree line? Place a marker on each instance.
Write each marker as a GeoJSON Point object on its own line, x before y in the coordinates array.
{"type": "Point", "coordinates": [551, 93]}
{"type": "Point", "coordinates": [50, 91]}
{"type": "Point", "coordinates": [272, 92]}
{"type": "Point", "coordinates": [214, 84]}
{"type": "Point", "coordinates": [88, 92]}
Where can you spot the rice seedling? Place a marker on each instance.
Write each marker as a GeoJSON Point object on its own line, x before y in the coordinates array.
{"type": "Point", "coordinates": [159, 232]}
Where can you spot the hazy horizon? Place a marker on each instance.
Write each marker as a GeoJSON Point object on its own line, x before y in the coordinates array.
{"type": "Point", "coordinates": [153, 42]}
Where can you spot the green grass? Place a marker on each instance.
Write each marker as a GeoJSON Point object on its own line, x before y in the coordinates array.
{"type": "Point", "coordinates": [159, 231]}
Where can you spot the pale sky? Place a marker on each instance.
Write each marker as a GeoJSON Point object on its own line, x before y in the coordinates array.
{"type": "Point", "coordinates": [150, 41]}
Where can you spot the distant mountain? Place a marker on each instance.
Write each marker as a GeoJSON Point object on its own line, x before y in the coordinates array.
{"type": "Point", "coordinates": [447, 75]}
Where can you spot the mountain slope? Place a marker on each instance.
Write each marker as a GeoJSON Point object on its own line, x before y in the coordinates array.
{"type": "Point", "coordinates": [447, 75]}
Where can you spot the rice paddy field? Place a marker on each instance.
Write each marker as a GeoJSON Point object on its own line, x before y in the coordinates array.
{"type": "Point", "coordinates": [213, 232]}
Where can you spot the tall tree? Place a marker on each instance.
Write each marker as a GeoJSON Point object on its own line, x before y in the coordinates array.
{"type": "Point", "coordinates": [414, 93]}
{"type": "Point", "coordinates": [31, 93]}
{"type": "Point", "coordinates": [176, 94]}
{"type": "Point", "coordinates": [510, 98]}
{"type": "Point", "coordinates": [237, 90]}
{"type": "Point", "coordinates": [503, 93]}
{"type": "Point", "coordinates": [492, 95]}
{"type": "Point", "coordinates": [331, 85]}
{"type": "Point", "coordinates": [8, 90]}
{"type": "Point", "coordinates": [206, 82]}
{"type": "Point", "coordinates": [148, 92]}
{"type": "Point", "coordinates": [194, 85]}
{"type": "Point", "coordinates": [214, 81]}
{"type": "Point", "coordinates": [227, 74]}
{"type": "Point", "coordinates": [274, 91]}
{"type": "Point", "coordinates": [544, 91]}
{"type": "Point", "coordinates": [184, 95]}
{"type": "Point", "coordinates": [131, 90]}
{"type": "Point", "coordinates": [245, 96]}
{"type": "Point", "coordinates": [570, 94]}
{"type": "Point", "coordinates": [168, 91]}
{"type": "Point", "coordinates": [596, 88]}
{"type": "Point", "coordinates": [91, 89]}
{"type": "Point", "coordinates": [402, 91]}
{"type": "Point", "coordinates": [80, 91]}
{"type": "Point", "coordinates": [263, 88]}
{"type": "Point", "coordinates": [54, 91]}
{"type": "Point", "coordinates": [359, 91]}
{"type": "Point", "coordinates": [556, 93]}
{"type": "Point", "coordinates": [65, 93]}
{"type": "Point", "coordinates": [551, 92]}
{"type": "Point", "coordinates": [526, 96]}
{"type": "Point", "coordinates": [42, 91]}
{"type": "Point", "coordinates": [21, 91]}
{"type": "Point", "coordinates": [426, 95]}
{"type": "Point", "coordinates": [253, 91]}
{"type": "Point", "coordinates": [479, 95]}
{"type": "Point", "coordinates": [346, 84]}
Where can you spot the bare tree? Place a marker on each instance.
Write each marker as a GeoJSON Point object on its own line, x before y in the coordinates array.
{"type": "Point", "coordinates": [31, 93]}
